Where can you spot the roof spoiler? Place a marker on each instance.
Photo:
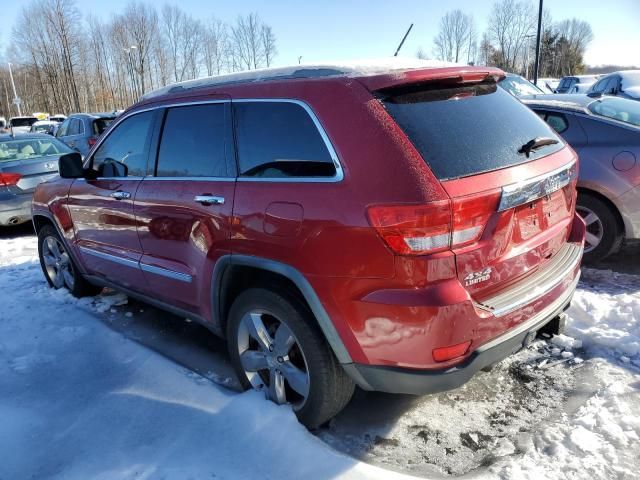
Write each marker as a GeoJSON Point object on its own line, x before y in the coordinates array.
{"type": "Point", "coordinates": [455, 75]}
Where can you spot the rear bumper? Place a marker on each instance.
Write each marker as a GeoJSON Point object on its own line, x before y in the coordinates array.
{"type": "Point", "coordinates": [15, 209]}
{"type": "Point", "coordinates": [419, 382]}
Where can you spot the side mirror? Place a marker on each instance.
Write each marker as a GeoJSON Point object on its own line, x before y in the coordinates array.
{"type": "Point", "coordinates": [70, 166]}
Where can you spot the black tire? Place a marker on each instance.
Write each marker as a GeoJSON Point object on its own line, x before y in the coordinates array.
{"type": "Point", "coordinates": [607, 225]}
{"type": "Point", "coordinates": [330, 388]}
{"type": "Point", "coordinates": [79, 286]}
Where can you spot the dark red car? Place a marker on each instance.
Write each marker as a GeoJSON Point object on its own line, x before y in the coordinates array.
{"type": "Point", "coordinates": [395, 230]}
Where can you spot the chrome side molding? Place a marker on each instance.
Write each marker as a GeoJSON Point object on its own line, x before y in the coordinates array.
{"type": "Point", "coordinates": [537, 187]}
{"type": "Point", "coordinates": [183, 277]}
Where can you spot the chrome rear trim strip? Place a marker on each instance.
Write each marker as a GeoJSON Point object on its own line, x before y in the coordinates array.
{"type": "Point", "coordinates": [537, 187]}
{"type": "Point", "coordinates": [537, 284]}
{"type": "Point", "coordinates": [538, 320]}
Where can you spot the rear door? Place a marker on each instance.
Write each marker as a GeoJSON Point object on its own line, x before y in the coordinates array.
{"type": "Point", "coordinates": [184, 210]}
{"type": "Point", "coordinates": [102, 208]}
{"type": "Point", "coordinates": [512, 204]}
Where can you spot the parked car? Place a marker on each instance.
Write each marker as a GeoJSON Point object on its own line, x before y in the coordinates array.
{"type": "Point", "coordinates": [605, 132]}
{"type": "Point", "coordinates": [3, 125]}
{"type": "Point", "coordinates": [567, 83]}
{"type": "Point", "coordinates": [25, 161]}
{"type": "Point", "coordinates": [580, 88]}
{"type": "Point", "coordinates": [81, 131]}
{"type": "Point", "coordinates": [333, 232]}
{"type": "Point", "coordinates": [44, 126]}
{"type": "Point", "coordinates": [21, 124]}
{"type": "Point", "coordinates": [548, 85]}
{"type": "Point", "coordinates": [624, 84]}
{"type": "Point", "coordinates": [518, 86]}
{"type": "Point", "coordinates": [59, 118]}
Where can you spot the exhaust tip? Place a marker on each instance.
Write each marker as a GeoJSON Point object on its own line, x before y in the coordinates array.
{"type": "Point", "coordinates": [14, 221]}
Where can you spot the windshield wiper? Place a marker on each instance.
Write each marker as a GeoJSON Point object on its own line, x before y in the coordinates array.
{"type": "Point", "coordinates": [536, 143]}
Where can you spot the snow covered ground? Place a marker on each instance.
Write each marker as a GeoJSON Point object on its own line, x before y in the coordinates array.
{"type": "Point", "coordinates": [109, 388]}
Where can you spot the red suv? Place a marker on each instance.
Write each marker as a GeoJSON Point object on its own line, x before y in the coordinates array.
{"type": "Point", "coordinates": [395, 230]}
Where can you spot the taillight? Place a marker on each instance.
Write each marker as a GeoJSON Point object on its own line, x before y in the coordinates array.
{"type": "Point", "coordinates": [471, 214]}
{"type": "Point", "coordinates": [92, 141]}
{"type": "Point", "coordinates": [443, 354]}
{"type": "Point", "coordinates": [434, 227]}
{"type": "Point", "coordinates": [413, 229]}
{"type": "Point", "coordinates": [9, 179]}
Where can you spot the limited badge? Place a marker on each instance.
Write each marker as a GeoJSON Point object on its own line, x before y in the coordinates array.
{"type": "Point", "coordinates": [478, 277]}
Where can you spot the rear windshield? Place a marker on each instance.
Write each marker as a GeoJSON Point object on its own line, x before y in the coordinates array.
{"type": "Point", "coordinates": [22, 149]}
{"type": "Point", "coordinates": [466, 130]}
{"type": "Point", "coordinates": [100, 125]}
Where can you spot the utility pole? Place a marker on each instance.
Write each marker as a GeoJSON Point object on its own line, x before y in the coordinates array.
{"type": "Point", "coordinates": [537, 63]}
{"type": "Point", "coordinates": [528, 47]}
{"type": "Point", "coordinates": [403, 39]}
{"type": "Point", "coordinates": [16, 100]}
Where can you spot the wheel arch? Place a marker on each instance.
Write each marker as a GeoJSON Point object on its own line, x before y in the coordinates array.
{"type": "Point", "coordinates": [607, 201]}
{"type": "Point", "coordinates": [233, 274]}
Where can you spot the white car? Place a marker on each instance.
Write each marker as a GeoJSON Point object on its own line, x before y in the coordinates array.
{"type": "Point", "coordinates": [21, 124]}
{"type": "Point", "coordinates": [581, 87]}
{"type": "Point", "coordinates": [58, 118]}
{"type": "Point", "coordinates": [625, 83]}
{"type": "Point", "coordinates": [567, 83]}
{"type": "Point", "coordinates": [549, 85]}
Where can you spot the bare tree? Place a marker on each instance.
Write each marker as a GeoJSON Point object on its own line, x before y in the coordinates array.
{"type": "Point", "coordinates": [63, 63]}
{"type": "Point", "coordinates": [268, 40]}
{"type": "Point", "coordinates": [215, 48]}
{"type": "Point", "coordinates": [510, 23]}
{"type": "Point", "coordinates": [141, 26]}
{"type": "Point", "coordinates": [248, 52]}
{"type": "Point", "coordinates": [453, 38]}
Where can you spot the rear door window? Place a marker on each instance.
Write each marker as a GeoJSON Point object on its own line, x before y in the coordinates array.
{"type": "Point", "coordinates": [280, 140]}
{"type": "Point", "coordinates": [467, 130]}
{"type": "Point", "coordinates": [75, 127]}
{"type": "Point", "coordinates": [193, 142]}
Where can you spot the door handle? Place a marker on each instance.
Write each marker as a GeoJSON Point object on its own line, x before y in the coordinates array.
{"type": "Point", "coordinates": [209, 200]}
{"type": "Point", "coordinates": [121, 195]}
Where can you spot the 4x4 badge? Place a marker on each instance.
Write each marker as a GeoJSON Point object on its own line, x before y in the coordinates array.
{"type": "Point", "coordinates": [477, 277]}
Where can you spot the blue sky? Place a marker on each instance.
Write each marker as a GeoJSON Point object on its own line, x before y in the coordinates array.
{"type": "Point", "coordinates": [354, 29]}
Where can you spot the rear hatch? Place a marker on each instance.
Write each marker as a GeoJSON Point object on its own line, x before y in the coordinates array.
{"type": "Point", "coordinates": [25, 162]}
{"type": "Point", "coordinates": [510, 178]}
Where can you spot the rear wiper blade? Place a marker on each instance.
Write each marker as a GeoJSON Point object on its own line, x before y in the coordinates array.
{"type": "Point", "coordinates": [536, 143]}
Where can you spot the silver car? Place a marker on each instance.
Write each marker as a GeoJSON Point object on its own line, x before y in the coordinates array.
{"type": "Point", "coordinates": [25, 161]}
{"type": "Point", "coordinates": [605, 132]}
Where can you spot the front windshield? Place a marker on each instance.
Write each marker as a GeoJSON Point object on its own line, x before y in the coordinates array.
{"type": "Point", "coordinates": [20, 149]}
{"type": "Point", "coordinates": [518, 86]}
{"type": "Point", "coordinates": [621, 109]}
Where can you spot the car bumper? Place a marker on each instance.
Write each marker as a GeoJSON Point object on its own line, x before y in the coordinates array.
{"type": "Point", "coordinates": [15, 209]}
{"type": "Point", "coordinates": [419, 382]}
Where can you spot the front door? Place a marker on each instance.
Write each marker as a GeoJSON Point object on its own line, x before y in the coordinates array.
{"type": "Point", "coordinates": [183, 211]}
{"type": "Point", "coordinates": [102, 208]}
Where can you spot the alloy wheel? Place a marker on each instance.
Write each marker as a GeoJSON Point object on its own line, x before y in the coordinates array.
{"type": "Point", "coordinates": [57, 263]}
{"type": "Point", "coordinates": [272, 359]}
{"type": "Point", "coordinates": [595, 229]}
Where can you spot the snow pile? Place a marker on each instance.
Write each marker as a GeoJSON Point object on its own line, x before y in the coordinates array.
{"type": "Point", "coordinates": [81, 400]}
{"type": "Point", "coordinates": [607, 313]}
